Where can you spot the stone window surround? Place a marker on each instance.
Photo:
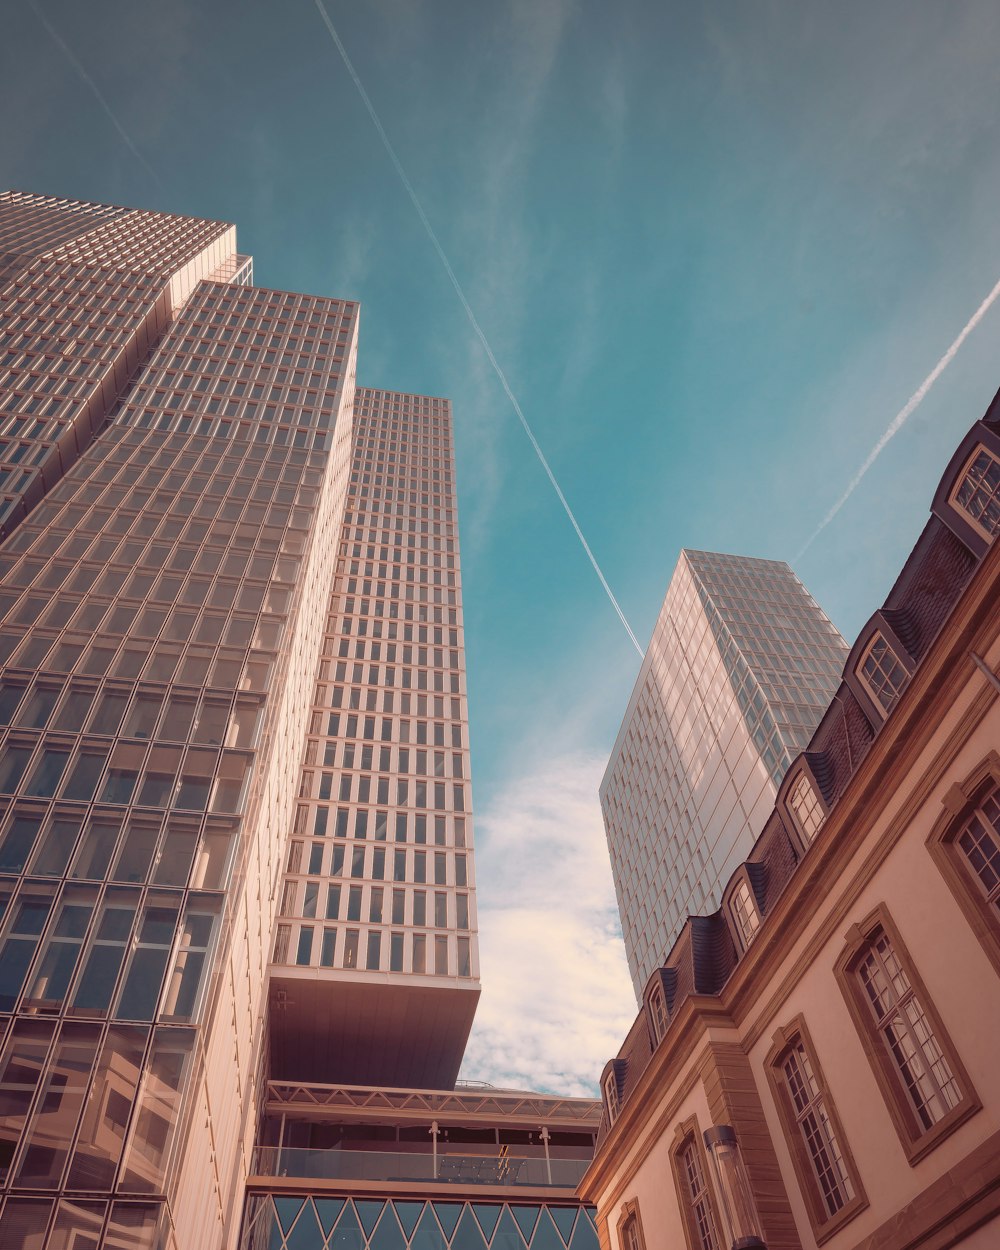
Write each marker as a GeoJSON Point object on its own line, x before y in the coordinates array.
{"type": "Point", "coordinates": [916, 1141]}
{"type": "Point", "coordinates": [823, 1225]}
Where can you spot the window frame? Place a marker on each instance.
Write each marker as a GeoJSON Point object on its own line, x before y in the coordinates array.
{"type": "Point", "coordinates": [916, 1140]}
{"type": "Point", "coordinates": [899, 658]}
{"type": "Point", "coordinates": [980, 449]}
{"type": "Point", "coordinates": [960, 802]}
{"type": "Point", "coordinates": [688, 1133]}
{"type": "Point", "coordinates": [742, 894]}
{"type": "Point", "coordinates": [801, 772]}
{"type": "Point", "coordinates": [823, 1225]}
{"type": "Point", "coordinates": [630, 1221]}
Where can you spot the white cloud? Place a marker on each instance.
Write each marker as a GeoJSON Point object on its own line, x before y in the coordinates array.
{"type": "Point", "coordinates": [557, 999]}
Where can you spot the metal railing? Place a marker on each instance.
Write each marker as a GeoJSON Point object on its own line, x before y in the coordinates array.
{"type": "Point", "coordinates": [374, 1165]}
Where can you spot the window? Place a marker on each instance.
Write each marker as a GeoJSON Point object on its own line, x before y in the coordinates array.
{"type": "Point", "coordinates": [745, 912]}
{"type": "Point", "coordinates": [658, 1012]}
{"type": "Point", "coordinates": [806, 809]}
{"type": "Point", "coordinates": [611, 1095]}
{"type": "Point", "coordinates": [965, 842]}
{"type": "Point", "coordinates": [882, 672]}
{"type": "Point", "coordinates": [690, 1169]}
{"type": "Point", "coordinates": [978, 492]}
{"type": "Point", "coordinates": [825, 1169]}
{"type": "Point", "coordinates": [630, 1227]}
{"type": "Point", "coordinates": [922, 1079]}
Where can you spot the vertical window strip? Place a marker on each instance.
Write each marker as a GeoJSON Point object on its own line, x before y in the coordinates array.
{"type": "Point", "coordinates": [817, 1132]}
{"type": "Point", "coordinates": [906, 1033]}
{"type": "Point", "coordinates": [979, 842]}
{"type": "Point", "coordinates": [806, 808]}
{"type": "Point", "coordinates": [700, 1203]}
{"type": "Point", "coordinates": [745, 913]}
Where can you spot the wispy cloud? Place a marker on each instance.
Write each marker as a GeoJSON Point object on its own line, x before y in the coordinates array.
{"type": "Point", "coordinates": [68, 52]}
{"type": "Point", "coordinates": [557, 999]}
{"type": "Point", "coordinates": [904, 414]}
{"type": "Point", "coordinates": [474, 322]}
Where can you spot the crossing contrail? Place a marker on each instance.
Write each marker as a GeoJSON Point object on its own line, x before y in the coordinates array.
{"type": "Point", "coordinates": [408, 186]}
{"type": "Point", "coordinates": [61, 43]}
{"type": "Point", "coordinates": [904, 414]}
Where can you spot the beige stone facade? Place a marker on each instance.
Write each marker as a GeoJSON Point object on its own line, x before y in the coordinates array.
{"type": "Point", "coordinates": [848, 1035]}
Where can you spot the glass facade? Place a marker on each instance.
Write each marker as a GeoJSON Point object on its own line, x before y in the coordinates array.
{"type": "Point", "coordinates": [741, 666]}
{"type": "Point", "coordinates": [156, 649]}
{"type": "Point", "coordinates": [280, 1222]}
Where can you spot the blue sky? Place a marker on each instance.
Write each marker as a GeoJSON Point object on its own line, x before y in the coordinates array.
{"type": "Point", "coordinates": [715, 248]}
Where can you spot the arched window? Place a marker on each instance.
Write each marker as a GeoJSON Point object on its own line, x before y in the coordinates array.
{"type": "Point", "coordinates": [977, 492]}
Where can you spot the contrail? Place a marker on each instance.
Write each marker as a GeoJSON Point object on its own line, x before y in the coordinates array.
{"type": "Point", "coordinates": [472, 317]}
{"type": "Point", "coordinates": [68, 53]}
{"type": "Point", "coordinates": [904, 414]}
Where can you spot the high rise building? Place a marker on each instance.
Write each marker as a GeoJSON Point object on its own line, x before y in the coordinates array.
{"type": "Point", "coordinates": [235, 817]}
{"type": "Point", "coordinates": [375, 963]}
{"type": "Point", "coordinates": [741, 664]}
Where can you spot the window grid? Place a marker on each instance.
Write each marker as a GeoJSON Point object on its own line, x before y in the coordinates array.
{"type": "Point", "coordinates": [978, 493]}
{"type": "Point", "coordinates": [699, 1200]}
{"type": "Point", "coordinates": [883, 673]}
{"type": "Point", "coordinates": [817, 1131]}
{"type": "Point", "coordinates": [906, 1033]}
{"type": "Point", "coordinates": [979, 842]}
{"type": "Point", "coordinates": [806, 807]}
{"type": "Point", "coordinates": [745, 912]}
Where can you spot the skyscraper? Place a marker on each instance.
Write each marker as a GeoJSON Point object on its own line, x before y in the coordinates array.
{"type": "Point", "coordinates": [377, 914]}
{"type": "Point", "coordinates": [236, 873]}
{"type": "Point", "coordinates": [741, 664]}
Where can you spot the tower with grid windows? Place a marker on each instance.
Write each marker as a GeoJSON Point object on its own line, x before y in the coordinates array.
{"type": "Point", "coordinates": [741, 665]}
{"type": "Point", "coordinates": [237, 890]}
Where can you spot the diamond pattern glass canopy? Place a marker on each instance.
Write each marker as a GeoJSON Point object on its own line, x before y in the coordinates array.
{"type": "Point", "coordinates": [276, 1222]}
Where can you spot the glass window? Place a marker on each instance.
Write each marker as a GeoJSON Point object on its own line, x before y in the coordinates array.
{"type": "Point", "coordinates": [882, 672]}
{"type": "Point", "coordinates": [813, 1123]}
{"type": "Point", "coordinates": [351, 948]}
{"type": "Point", "coordinates": [701, 1216]}
{"type": "Point", "coordinates": [157, 1113]}
{"type": "Point", "coordinates": [979, 842]}
{"type": "Point", "coordinates": [611, 1096]}
{"type": "Point", "coordinates": [905, 1032]}
{"type": "Point", "coordinates": [96, 847]}
{"type": "Point", "coordinates": [28, 917]}
{"type": "Point", "coordinates": [978, 492]}
{"type": "Point", "coordinates": [22, 1062]}
{"type": "Point", "coordinates": [104, 958]}
{"type": "Point", "coordinates": [144, 975]}
{"type": "Point", "coordinates": [64, 1087]}
{"type": "Point", "coordinates": [85, 772]}
{"type": "Point", "coordinates": [745, 913]}
{"type": "Point", "coordinates": [62, 948]}
{"type": "Point", "coordinates": [109, 1105]}
{"type": "Point", "coordinates": [18, 840]}
{"type": "Point", "coordinates": [806, 809]}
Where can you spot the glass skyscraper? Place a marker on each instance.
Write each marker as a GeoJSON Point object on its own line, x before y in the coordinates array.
{"type": "Point", "coordinates": [236, 845]}
{"type": "Point", "coordinates": [741, 665]}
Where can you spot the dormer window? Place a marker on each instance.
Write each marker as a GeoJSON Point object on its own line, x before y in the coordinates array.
{"type": "Point", "coordinates": [658, 1012]}
{"type": "Point", "coordinates": [882, 672]}
{"type": "Point", "coordinates": [745, 913]}
{"type": "Point", "coordinates": [611, 1095]}
{"type": "Point", "coordinates": [806, 809]}
{"type": "Point", "coordinates": [978, 492]}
